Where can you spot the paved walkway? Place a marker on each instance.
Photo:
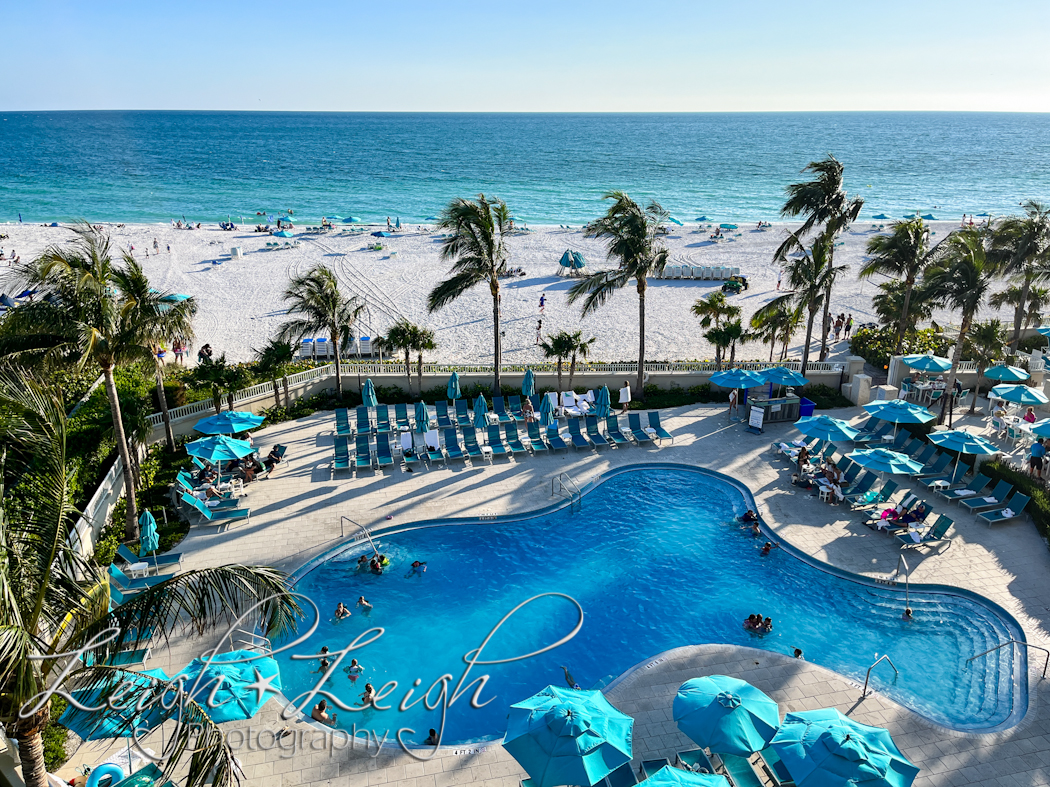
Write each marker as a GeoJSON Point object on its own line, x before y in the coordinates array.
{"type": "Point", "coordinates": [296, 515]}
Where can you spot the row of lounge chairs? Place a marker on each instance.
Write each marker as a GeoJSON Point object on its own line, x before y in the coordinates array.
{"type": "Point", "coordinates": [715, 273]}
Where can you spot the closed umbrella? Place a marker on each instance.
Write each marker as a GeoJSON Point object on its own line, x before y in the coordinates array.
{"type": "Point", "coordinates": [679, 777]}
{"type": "Point", "coordinates": [964, 443]}
{"type": "Point", "coordinates": [1018, 394]}
{"type": "Point", "coordinates": [149, 538]}
{"type": "Point", "coordinates": [234, 685]}
{"type": "Point", "coordinates": [826, 428]}
{"type": "Point", "coordinates": [422, 417]}
{"type": "Point", "coordinates": [546, 411]}
{"type": "Point", "coordinates": [927, 363]}
{"type": "Point", "coordinates": [823, 748]}
{"type": "Point", "coordinates": [883, 460]}
{"type": "Point", "coordinates": [368, 394]}
{"type": "Point", "coordinates": [528, 384]}
{"type": "Point", "coordinates": [228, 422]}
{"type": "Point", "coordinates": [481, 407]}
{"type": "Point", "coordinates": [398, 222]}
{"type": "Point", "coordinates": [603, 403]}
{"type": "Point", "coordinates": [452, 389]}
{"type": "Point", "coordinates": [1006, 374]}
{"type": "Point", "coordinates": [568, 736]}
{"type": "Point", "coordinates": [726, 714]}
{"type": "Point", "coordinates": [566, 260]}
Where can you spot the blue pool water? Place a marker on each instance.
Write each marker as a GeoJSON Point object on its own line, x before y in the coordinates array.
{"type": "Point", "coordinates": [656, 561]}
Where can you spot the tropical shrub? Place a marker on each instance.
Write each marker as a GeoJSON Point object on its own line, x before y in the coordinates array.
{"type": "Point", "coordinates": [876, 345]}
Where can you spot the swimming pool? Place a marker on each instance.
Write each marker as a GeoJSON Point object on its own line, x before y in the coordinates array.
{"type": "Point", "coordinates": [656, 560]}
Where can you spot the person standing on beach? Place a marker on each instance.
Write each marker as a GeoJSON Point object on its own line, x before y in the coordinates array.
{"type": "Point", "coordinates": [780, 278]}
{"type": "Point", "coordinates": [539, 331]}
{"type": "Point", "coordinates": [543, 302]}
{"type": "Point", "coordinates": [849, 325]}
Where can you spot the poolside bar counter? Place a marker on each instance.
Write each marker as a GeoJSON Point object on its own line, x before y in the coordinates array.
{"type": "Point", "coordinates": [784, 408]}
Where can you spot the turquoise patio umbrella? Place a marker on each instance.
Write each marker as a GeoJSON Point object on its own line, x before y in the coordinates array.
{"type": "Point", "coordinates": [964, 443]}
{"type": "Point", "coordinates": [528, 384]}
{"type": "Point", "coordinates": [422, 417]}
{"type": "Point", "coordinates": [673, 220]}
{"type": "Point", "coordinates": [546, 411]}
{"type": "Point", "coordinates": [566, 260]}
{"type": "Point", "coordinates": [122, 721]}
{"type": "Point", "coordinates": [228, 422]}
{"type": "Point", "coordinates": [481, 407]}
{"type": "Point", "coordinates": [452, 389]}
{"type": "Point", "coordinates": [927, 363]}
{"type": "Point", "coordinates": [568, 736]}
{"type": "Point", "coordinates": [219, 448]}
{"type": "Point", "coordinates": [1018, 394]}
{"type": "Point", "coordinates": [1044, 330]}
{"type": "Point", "coordinates": [881, 217]}
{"type": "Point", "coordinates": [679, 777]}
{"type": "Point", "coordinates": [826, 428]}
{"type": "Point", "coordinates": [781, 375]}
{"type": "Point", "coordinates": [233, 677]}
{"type": "Point", "coordinates": [368, 394]}
{"type": "Point", "coordinates": [883, 460]}
{"type": "Point", "coordinates": [603, 403]}
{"type": "Point", "coordinates": [726, 715]}
{"type": "Point", "coordinates": [737, 378]}
{"type": "Point", "coordinates": [1006, 374]}
{"type": "Point", "coordinates": [578, 262]}
{"type": "Point", "coordinates": [823, 748]}
{"type": "Point", "coordinates": [898, 411]}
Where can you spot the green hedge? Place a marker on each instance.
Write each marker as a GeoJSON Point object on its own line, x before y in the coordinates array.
{"type": "Point", "coordinates": [876, 345]}
{"type": "Point", "coordinates": [1039, 508]}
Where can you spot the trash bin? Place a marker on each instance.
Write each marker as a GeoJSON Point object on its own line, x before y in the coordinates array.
{"type": "Point", "coordinates": [236, 252]}
{"type": "Point", "coordinates": [806, 408]}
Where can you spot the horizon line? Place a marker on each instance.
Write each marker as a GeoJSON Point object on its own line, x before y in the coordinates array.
{"type": "Point", "coordinates": [562, 112]}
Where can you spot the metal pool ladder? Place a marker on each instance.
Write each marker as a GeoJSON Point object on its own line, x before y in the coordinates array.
{"type": "Point", "coordinates": [563, 484]}
{"type": "Point", "coordinates": [373, 544]}
{"type": "Point", "coordinates": [1015, 642]}
{"type": "Point", "coordinates": [885, 658]}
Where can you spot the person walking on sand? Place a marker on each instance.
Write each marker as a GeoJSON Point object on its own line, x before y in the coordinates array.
{"type": "Point", "coordinates": [625, 396]}
{"type": "Point", "coordinates": [539, 332]}
{"type": "Point", "coordinates": [849, 326]}
{"type": "Point", "coordinates": [543, 302]}
{"type": "Point", "coordinates": [780, 278]}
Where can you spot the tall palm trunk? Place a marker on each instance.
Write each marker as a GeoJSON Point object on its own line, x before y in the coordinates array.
{"type": "Point", "coordinates": [956, 358]}
{"type": "Point", "coordinates": [559, 378]}
{"type": "Point", "coordinates": [572, 370]}
{"type": "Point", "coordinates": [31, 749]}
{"type": "Point", "coordinates": [408, 371]}
{"type": "Point", "coordinates": [276, 392]}
{"type": "Point", "coordinates": [497, 344]}
{"type": "Point", "coordinates": [641, 337]}
{"type": "Point", "coordinates": [162, 399]}
{"type": "Point", "coordinates": [976, 389]}
{"type": "Point", "coordinates": [1026, 285]}
{"type": "Point", "coordinates": [909, 285]}
{"type": "Point", "coordinates": [809, 338]}
{"type": "Point", "coordinates": [338, 363]}
{"type": "Point", "coordinates": [419, 373]}
{"type": "Point", "coordinates": [131, 521]}
{"type": "Point", "coordinates": [826, 327]}
{"type": "Point", "coordinates": [287, 393]}
{"type": "Point", "coordinates": [772, 347]}
{"type": "Point", "coordinates": [732, 355]}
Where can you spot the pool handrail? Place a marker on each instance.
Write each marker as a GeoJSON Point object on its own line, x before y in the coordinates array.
{"type": "Point", "coordinates": [883, 657]}
{"type": "Point", "coordinates": [1015, 642]}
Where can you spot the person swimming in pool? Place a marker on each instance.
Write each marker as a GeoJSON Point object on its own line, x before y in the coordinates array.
{"type": "Point", "coordinates": [569, 679]}
{"type": "Point", "coordinates": [362, 563]}
{"type": "Point", "coordinates": [767, 624]}
{"type": "Point", "coordinates": [354, 671]}
{"type": "Point", "coordinates": [419, 567]}
{"type": "Point", "coordinates": [369, 695]}
{"type": "Point", "coordinates": [341, 611]}
{"type": "Point", "coordinates": [769, 547]}
{"type": "Point", "coordinates": [325, 664]}
{"type": "Point", "coordinates": [750, 516]}
{"type": "Point", "coordinates": [363, 603]}
{"type": "Point", "coordinates": [907, 614]}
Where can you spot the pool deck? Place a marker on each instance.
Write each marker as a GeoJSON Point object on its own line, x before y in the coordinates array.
{"type": "Point", "coordinates": [296, 516]}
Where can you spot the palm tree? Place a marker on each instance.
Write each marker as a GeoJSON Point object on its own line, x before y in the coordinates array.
{"type": "Point", "coordinates": [57, 599]}
{"type": "Point", "coordinates": [902, 255]}
{"type": "Point", "coordinates": [807, 277]}
{"type": "Point", "coordinates": [399, 338]}
{"type": "Point", "coordinates": [779, 324]}
{"type": "Point", "coordinates": [890, 301]}
{"type": "Point", "coordinates": [720, 339]}
{"type": "Point", "coordinates": [1038, 299]}
{"type": "Point", "coordinates": [737, 335]}
{"type": "Point", "coordinates": [275, 360]}
{"type": "Point", "coordinates": [320, 306]}
{"type": "Point", "coordinates": [632, 234]}
{"type": "Point", "coordinates": [711, 311]}
{"type": "Point", "coordinates": [423, 340]}
{"type": "Point", "coordinates": [962, 280]}
{"type": "Point", "coordinates": [1022, 244]}
{"type": "Point", "coordinates": [559, 346]}
{"type": "Point", "coordinates": [476, 246]}
{"type": "Point", "coordinates": [579, 347]}
{"type": "Point", "coordinates": [219, 378]}
{"type": "Point", "coordinates": [99, 313]}
{"type": "Point", "coordinates": [985, 346]}
{"type": "Point", "coordinates": [825, 203]}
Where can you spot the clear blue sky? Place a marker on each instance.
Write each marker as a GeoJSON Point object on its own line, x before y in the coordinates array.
{"type": "Point", "coordinates": [531, 55]}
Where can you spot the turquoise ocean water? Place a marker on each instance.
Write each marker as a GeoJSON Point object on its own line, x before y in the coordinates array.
{"type": "Point", "coordinates": [551, 168]}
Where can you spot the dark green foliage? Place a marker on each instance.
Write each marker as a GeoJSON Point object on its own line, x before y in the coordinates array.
{"type": "Point", "coordinates": [1039, 508]}
{"type": "Point", "coordinates": [825, 397]}
{"type": "Point", "coordinates": [876, 345]}
{"type": "Point", "coordinates": [54, 736]}
{"type": "Point", "coordinates": [1036, 342]}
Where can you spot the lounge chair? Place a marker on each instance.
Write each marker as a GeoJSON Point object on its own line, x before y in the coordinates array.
{"type": "Point", "coordinates": [452, 449]}
{"type": "Point", "coordinates": [634, 423]}
{"type": "Point", "coordinates": [157, 561]}
{"type": "Point", "coordinates": [612, 431]}
{"type": "Point", "coordinates": [382, 419]}
{"type": "Point", "coordinates": [621, 777]}
{"type": "Point", "coordinates": [926, 454]}
{"type": "Point", "coordinates": [432, 441]}
{"type": "Point", "coordinates": [953, 477]}
{"type": "Point", "coordinates": [936, 534]}
{"type": "Point", "coordinates": [695, 760]}
{"type": "Point", "coordinates": [1013, 508]}
{"type": "Point", "coordinates": [935, 466]}
{"type": "Point", "coordinates": [444, 421]}
{"type": "Point", "coordinates": [499, 407]}
{"type": "Point", "coordinates": [228, 490]}
{"type": "Point", "coordinates": [342, 421]}
{"type": "Point", "coordinates": [554, 438]}
{"type": "Point", "coordinates": [513, 439]}
{"type": "Point", "coordinates": [874, 435]}
{"type": "Point", "coordinates": [535, 439]}
{"type": "Point", "coordinates": [217, 516]}
{"type": "Point", "coordinates": [362, 452]}
{"type": "Point", "coordinates": [972, 489]}
{"type": "Point", "coordinates": [342, 453]}
{"type": "Point", "coordinates": [650, 767]}
{"type": "Point", "coordinates": [364, 425]}
{"type": "Point", "coordinates": [409, 455]}
{"type": "Point", "coordinates": [463, 411]}
{"type": "Point", "coordinates": [595, 436]}
{"type": "Point", "coordinates": [861, 488]}
{"type": "Point", "coordinates": [875, 519]}
{"type": "Point", "coordinates": [579, 440]}
{"type": "Point", "coordinates": [873, 497]}
{"type": "Point", "coordinates": [125, 658]}
{"type": "Point", "coordinates": [654, 422]}
{"type": "Point", "coordinates": [994, 500]}
{"type": "Point", "coordinates": [127, 584]}
{"type": "Point", "coordinates": [383, 455]}
{"type": "Point", "coordinates": [470, 443]}
{"type": "Point", "coordinates": [901, 438]}
{"type": "Point", "coordinates": [495, 441]}
{"type": "Point", "coordinates": [850, 472]}
{"type": "Point", "coordinates": [401, 416]}
{"type": "Point", "coordinates": [515, 408]}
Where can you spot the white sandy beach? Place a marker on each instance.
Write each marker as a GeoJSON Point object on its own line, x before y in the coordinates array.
{"type": "Point", "coordinates": [241, 306]}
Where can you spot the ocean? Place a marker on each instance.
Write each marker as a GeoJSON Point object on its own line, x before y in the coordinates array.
{"type": "Point", "coordinates": [550, 168]}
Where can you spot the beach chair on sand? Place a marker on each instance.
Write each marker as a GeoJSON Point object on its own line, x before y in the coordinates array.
{"type": "Point", "coordinates": [1013, 508]}
{"type": "Point", "coordinates": [433, 444]}
{"type": "Point", "coordinates": [462, 411]}
{"type": "Point", "coordinates": [444, 421]}
{"type": "Point", "coordinates": [452, 449]}
{"type": "Point", "coordinates": [579, 440]}
{"type": "Point", "coordinates": [634, 423]}
{"type": "Point", "coordinates": [401, 416]}
{"type": "Point", "coordinates": [364, 425]}
{"type": "Point", "coordinates": [994, 500]}
{"type": "Point", "coordinates": [342, 453]}
{"type": "Point", "coordinates": [409, 455]}
{"type": "Point", "coordinates": [382, 419]}
{"type": "Point", "coordinates": [554, 438]}
{"type": "Point", "coordinates": [383, 455]}
{"type": "Point", "coordinates": [362, 452]}
{"type": "Point", "coordinates": [654, 422]}
{"type": "Point", "coordinates": [592, 432]}
{"type": "Point", "coordinates": [535, 439]}
{"type": "Point", "coordinates": [937, 534]}
{"type": "Point", "coordinates": [496, 441]}
{"type": "Point", "coordinates": [342, 422]}
{"type": "Point", "coordinates": [972, 489]}
{"type": "Point", "coordinates": [513, 439]}
{"type": "Point", "coordinates": [500, 409]}
{"type": "Point", "coordinates": [612, 430]}
{"type": "Point", "coordinates": [470, 443]}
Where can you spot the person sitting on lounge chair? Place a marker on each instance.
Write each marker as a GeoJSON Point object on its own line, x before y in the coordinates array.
{"type": "Point", "coordinates": [273, 458]}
